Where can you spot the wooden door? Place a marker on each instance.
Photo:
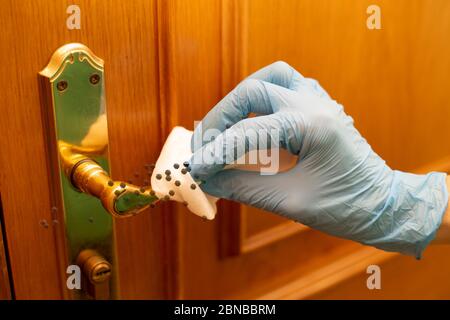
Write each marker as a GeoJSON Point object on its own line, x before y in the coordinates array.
{"type": "Point", "coordinates": [167, 62]}
{"type": "Point", "coordinates": [124, 34]}
{"type": "Point", "coordinates": [392, 81]}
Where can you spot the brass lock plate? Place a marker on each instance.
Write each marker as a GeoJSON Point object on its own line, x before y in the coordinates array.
{"type": "Point", "coordinates": [72, 87]}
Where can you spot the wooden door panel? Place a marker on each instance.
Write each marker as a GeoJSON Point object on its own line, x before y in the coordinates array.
{"type": "Point", "coordinates": [380, 76]}
{"type": "Point", "coordinates": [167, 62]}
{"type": "Point", "coordinates": [197, 62]}
{"type": "Point", "coordinates": [124, 34]}
{"type": "Point", "coordinates": [402, 278]}
{"type": "Point", "coordinates": [5, 285]}
{"type": "Point", "coordinates": [260, 220]}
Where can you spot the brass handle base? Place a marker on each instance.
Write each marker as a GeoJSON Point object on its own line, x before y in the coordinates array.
{"type": "Point", "coordinates": [119, 198]}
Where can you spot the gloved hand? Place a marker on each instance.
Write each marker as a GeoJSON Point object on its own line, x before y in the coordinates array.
{"type": "Point", "coordinates": [339, 184]}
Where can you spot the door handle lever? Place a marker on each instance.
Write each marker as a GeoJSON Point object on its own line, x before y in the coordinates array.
{"type": "Point", "coordinates": [119, 198]}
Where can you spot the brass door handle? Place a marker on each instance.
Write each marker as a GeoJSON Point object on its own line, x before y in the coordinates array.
{"type": "Point", "coordinates": [73, 102]}
{"type": "Point", "coordinates": [119, 198]}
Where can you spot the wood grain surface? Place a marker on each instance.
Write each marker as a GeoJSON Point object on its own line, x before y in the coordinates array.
{"type": "Point", "coordinates": [167, 62]}
{"type": "Point", "coordinates": [392, 81]}
{"type": "Point", "coordinates": [5, 284]}
{"type": "Point", "coordinates": [124, 35]}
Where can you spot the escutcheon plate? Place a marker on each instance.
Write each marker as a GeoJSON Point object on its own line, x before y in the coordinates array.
{"type": "Point", "coordinates": [75, 112]}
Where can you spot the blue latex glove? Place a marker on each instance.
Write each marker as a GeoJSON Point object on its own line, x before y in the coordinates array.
{"type": "Point", "coordinates": [339, 184]}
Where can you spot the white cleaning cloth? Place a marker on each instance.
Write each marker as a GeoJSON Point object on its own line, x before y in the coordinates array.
{"type": "Point", "coordinates": [176, 150]}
